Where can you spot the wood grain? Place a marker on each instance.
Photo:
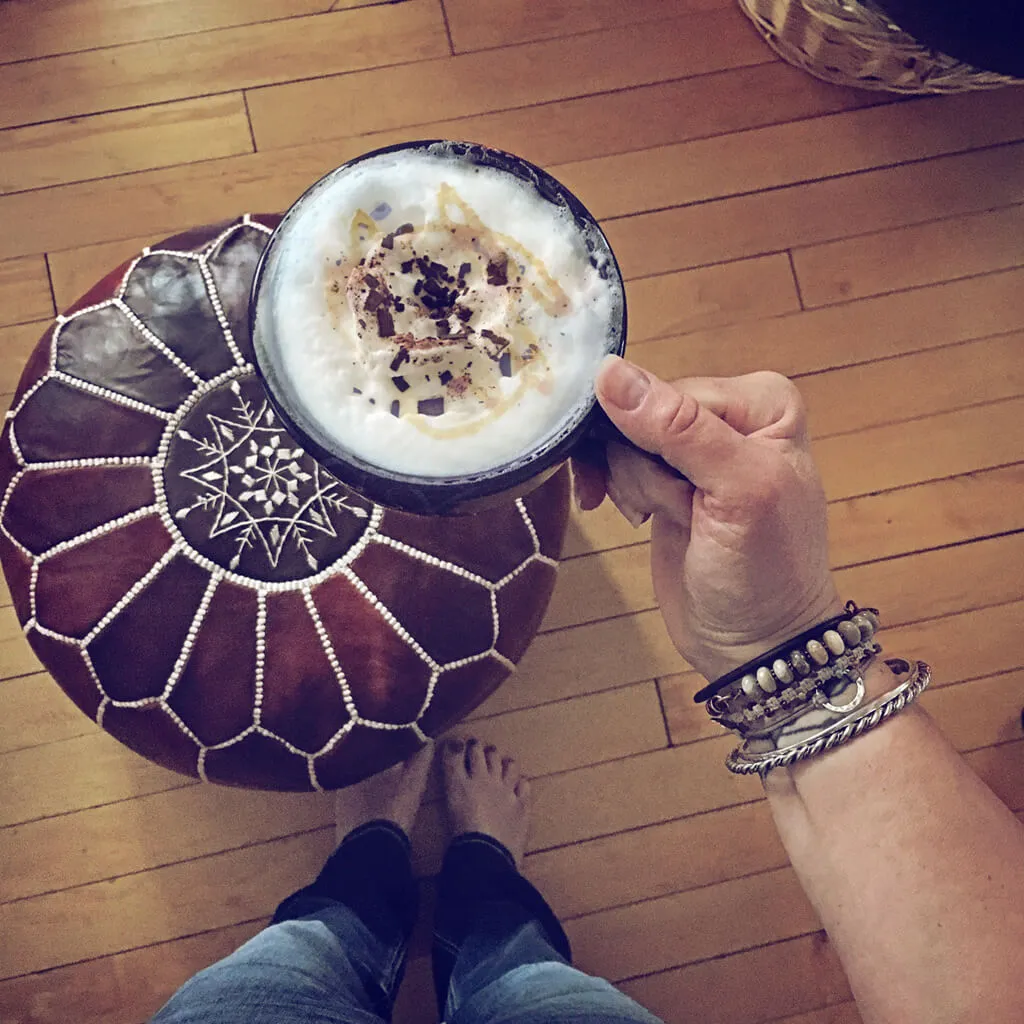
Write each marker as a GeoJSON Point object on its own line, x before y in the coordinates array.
{"type": "Point", "coordinates": [219, 60]}
{"type": "Point", "coordinates": [40, 28]}
{"type": "Point", "coordinates": [123, 142]}
{"type": "Point", "coordinates": [779, 155]}
{"type": "Point", "coordinates": [517, 76]}
{"type": "Point", "coordinates": [16, 343]}
{"type": "Point", "coordinates": [908, 257]}
{"type": "Point", "coordinates": [505, 22]}
{"type": "Point", "coordinates": [836, 336]}
{"type": "Point", "coordinates": [818, 211]}
{"type": "Point", "coordinates": [24, 290]}
{"type": "Point", "coordinates": [791, 976]}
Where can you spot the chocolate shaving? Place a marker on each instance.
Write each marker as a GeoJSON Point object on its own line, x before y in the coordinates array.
{"type": "Point", "coordinates": [430, 407]}
{"type": "Point", "coordinates": [505, 364]}
{"type": "Point", "coordinates": [395, 408]}
{"type": "Point", "coordinates": [371, 281]}
{"type": "Point", "coordinates": [407, 267]}
{"type": "Point", "coordinates": [373, 301]}
{"type": "Point", "coordinates": [385, 323]}
{"type": "Point", "coordinates": [497, 270]}
{"type": "Point", "coordinates": [445, 376]}
{"type": "Point", "coordinates": [463, 271]}
{"type": "Point", "coordinates": [401, 384]}
{"type": "Point", "coordinates": [405, 229]}
{"type": "Point", "coordinates": [464, 313]}
{"type": "Point", "coordinates": [388, 241]}
{"type": "Point", "coordinates": [401, 356]}
{"type": "Point", "coordinates": [356, 391]}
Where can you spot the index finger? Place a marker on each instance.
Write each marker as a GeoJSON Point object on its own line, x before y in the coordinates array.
{"type": "Point", "coordinates": [763, 404]}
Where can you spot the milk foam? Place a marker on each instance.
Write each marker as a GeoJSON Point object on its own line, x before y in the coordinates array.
{"type": "Point", "coordinates": [525, 352]}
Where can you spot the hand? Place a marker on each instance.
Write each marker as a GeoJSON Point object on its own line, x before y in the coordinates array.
{"type": "Point", "coordinates": [739, 554]}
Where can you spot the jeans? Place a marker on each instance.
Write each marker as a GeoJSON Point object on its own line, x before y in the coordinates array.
{"type": "Point", "coordinates": [335, 950]}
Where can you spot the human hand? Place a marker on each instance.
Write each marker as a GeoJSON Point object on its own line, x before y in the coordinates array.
{"type": "Point", "coordinates": [739, 551]}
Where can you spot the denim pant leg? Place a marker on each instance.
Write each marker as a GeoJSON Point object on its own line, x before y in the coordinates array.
{"type": "Point", "coordinates": [334, 952]}
{"type": "Point", "coordinates": [500, 954]}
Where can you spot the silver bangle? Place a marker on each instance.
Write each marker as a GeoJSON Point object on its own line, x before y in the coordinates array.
{"type": "Point", "coordinates": [862, 720]}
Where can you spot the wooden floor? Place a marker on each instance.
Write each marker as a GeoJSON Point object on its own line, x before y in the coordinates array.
{"type": "Point", "coordinates": [873, 249]}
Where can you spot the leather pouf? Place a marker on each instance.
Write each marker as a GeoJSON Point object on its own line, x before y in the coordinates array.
{"type": "Point", "coordinates": [200, 586]}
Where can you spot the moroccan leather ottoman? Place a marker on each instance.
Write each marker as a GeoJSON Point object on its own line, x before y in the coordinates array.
{"type": "Point", "coordinates": [201, 587]}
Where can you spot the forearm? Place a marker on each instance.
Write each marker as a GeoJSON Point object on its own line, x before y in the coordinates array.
{"type": "Point", "coordinates": [915, 868]}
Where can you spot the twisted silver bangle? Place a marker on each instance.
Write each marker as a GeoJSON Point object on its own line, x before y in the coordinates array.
{"type": "Point", "coordinates": [861, 721]}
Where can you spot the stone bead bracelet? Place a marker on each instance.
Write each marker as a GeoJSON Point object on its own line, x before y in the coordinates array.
{"type": "Point", "coordinates": [800, 656]}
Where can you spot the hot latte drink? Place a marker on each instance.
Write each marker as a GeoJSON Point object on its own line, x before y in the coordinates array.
{"type": "Point", "coordinates": [436, 317]}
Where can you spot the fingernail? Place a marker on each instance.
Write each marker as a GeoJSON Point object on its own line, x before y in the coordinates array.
{"type": "Point", "coordinates": [623, 385]}
{"type": "Point", "coordinates": [637, 519]}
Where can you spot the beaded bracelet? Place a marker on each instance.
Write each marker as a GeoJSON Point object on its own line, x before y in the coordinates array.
{"type": "Point", "coordinates": [800, 655]}
{"type": "Point", "coordinates": [865, 718]}
{"type": "Point", "coordinates": [748, 713]}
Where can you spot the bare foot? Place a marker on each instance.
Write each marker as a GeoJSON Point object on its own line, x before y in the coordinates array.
{"type": "Point", "coordinates": [486, 793]}
{"type": "Point", "coordinates": [394, 794]}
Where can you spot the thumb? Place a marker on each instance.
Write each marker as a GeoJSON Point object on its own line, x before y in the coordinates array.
{"type": "Point", "coordinates": [658, 418]}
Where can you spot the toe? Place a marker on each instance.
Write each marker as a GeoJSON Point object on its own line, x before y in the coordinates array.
{"type": "Point", "coordinates": [476, 762]}
{"type": "Point", "coordinates": [453, 757]}
{"type": "Point", "coordinates": [522, 790]}
{"type": "Point", "coordinates": [493, 759]}
{"type": "Point", "coordinates": [510, 771]}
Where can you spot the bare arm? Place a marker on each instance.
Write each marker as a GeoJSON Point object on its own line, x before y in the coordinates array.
{"type": "Point", "coordinates": [914, 866]}
{"type": "Point", "coordinates": [916, 870]}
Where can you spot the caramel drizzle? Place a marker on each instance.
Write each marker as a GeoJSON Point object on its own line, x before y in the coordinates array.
{"type": "Point", "coordinates": [532, 368]}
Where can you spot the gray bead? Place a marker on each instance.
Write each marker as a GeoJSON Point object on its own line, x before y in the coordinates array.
{"type": "Point", "coordinates": [834, 642]}
{"type": "Point", "coordinates": [849, 632]}
{"type": "Point", "coordinates": [765, 679]}
{"type": "Point", "coordinates": [817, 653]}
{"type": "Point", "coordinates": [782, 671]}
{"type": "Point", "coordinates": [749, 685]}
{"type": "Point", "coordinates": [864, 624]}
{"type": "Point", "coordinates": [800, 664]}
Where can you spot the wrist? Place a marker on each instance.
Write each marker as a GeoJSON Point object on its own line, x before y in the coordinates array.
{"type": "Point", "coordinates": [721, 659]}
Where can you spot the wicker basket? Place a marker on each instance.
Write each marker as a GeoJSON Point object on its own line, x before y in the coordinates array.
{"type": "Point", "coordinates": [854, 43]}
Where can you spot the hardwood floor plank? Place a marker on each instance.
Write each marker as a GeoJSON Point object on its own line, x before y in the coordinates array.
{"type": "Point", "coordinates": [125, 987]}
{"type": "Point", "coordinates": [970, 645]}
{"type": "Point", "coordinates": [803, 214]}
{"type": "Point", "coordinates": [599, 529]}
{"type": "Point", "coordinates": [930, 515]}
{"type": "Point", "coordinates": [686, 927]}
{"type": "Point", "coordinates": [941, 582]}
{"type": "Point", "coordinates": [155, 906]}
{"type": "Point", "coordinates": [16, 657]}
{"type": "Point", "coordinates": [933, 583]}
{"type": "Point", "coordinates": [34, 711]}
{"type": "Point", "coordinates": [930, 448]}
{"type": "Point", "coordinates": [905, 387]}
{"type": "Point", "coordinates": [87, 771]}
{"type": "Point", "coordinates": [790, 976]}
{"type": "Point", "coordinates": [907, 257]}
{"type": "Point", "coordinates": [24, 290]}
{"type": "Point", "coordinates": [837, 336]}
{"type": "Point", "coordinates": [476, 83]}
{"type": "Point", "coordinates": [657, 860]}
{"type": "Point", "coordinates": [41, 28]}
{"type": "Point", "coordinates": [16, 343]}
{"type": "Point", "coordinates": [692, 300]}
{"type": "Point", "coordinates": [636, 791]}
{"type": "Point", "coordinates": [780, 155]}
{"type": "Point", "coordinates": [587, 659]}
{"type": "Point", "coordinates": [142, 834]}
{"type": "Point", "coordinates": [505, 22]}
{"type": "Point", "coordinates": [979, 713]}
{"type": "Point", "coordinates": [547, 134]}
{"type": "Point", "coordinates": [220, 60]}
{"type": "Point", "coordinates": [123, 142]}
{"type": "Point", "coordinates": [1000, 769]}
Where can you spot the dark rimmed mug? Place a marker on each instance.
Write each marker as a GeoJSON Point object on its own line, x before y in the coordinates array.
{"type": "Point", "coordinates": [431, 495]}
